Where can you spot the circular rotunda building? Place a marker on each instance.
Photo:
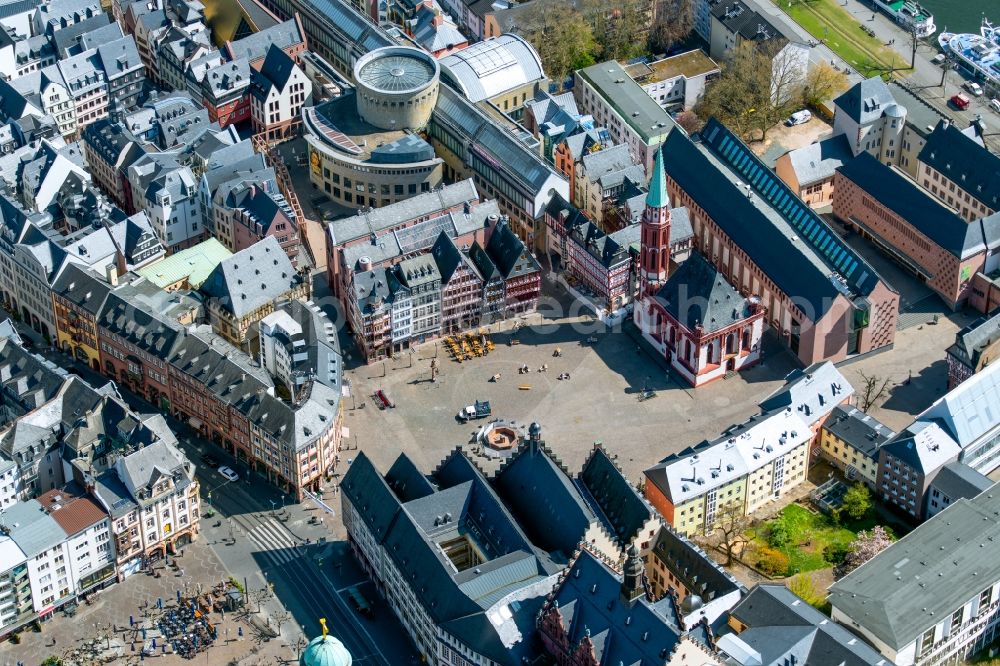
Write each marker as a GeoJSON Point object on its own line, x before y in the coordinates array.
{"type": "Point", "coordinates": [397, 87]}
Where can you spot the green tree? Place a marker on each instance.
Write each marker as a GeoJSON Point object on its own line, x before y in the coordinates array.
{"type": "Point", "coordinates": [755, 90]}
{"type": "Point", "coordinates": [857, 501]}
{"type": "Point", "coordinates": [561, 35]}
{"type": "Point", "coordinates": [835, 553]}
{"type": "Point", "coordinates": [778, 534]}
{"type": "Point", "coordinates": [52, 661]}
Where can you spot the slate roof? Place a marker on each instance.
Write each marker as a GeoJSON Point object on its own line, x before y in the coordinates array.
{"type": "Point", "coordinates": [924, 446]}
{"type": "Point", "coordinates": [819, 161]}
{"type": "Point", "coordinates": [541, 495]}
{"type": "Point", "coordinates": [909, 586]}
{"type": "Point", "coordinates": [865, 101]}
{"type": "Point", "coordinates": [693, 567]}
{"type": "Point", "coordinates": [625, 510]}
{"type": "Point", "coordinates": [861, 431]}
{"type": "Point", "coordinates": [255, 46]}
{"type": "Point", "coordinates": [490, 607]}
{"type": "Point", "coordinates": [960, 159]}
{"type": "Point", "coordinates": [449, 258]}
{"type": "Point", "coordinates": [751, 224]}
{"type": "Point", "coordinates": [274, 72]}
{"type": "Point", "coordinates": [28, 380]}
{"type": "Point", "coordinates": [905, 198]}
{"type": "Point", "coordinates": [813, 392]}
{"type": "Point", "coordinates": [958, 480]}
{"type": "Point", "coordinates": [603, 162]}
{"type": "Point", "coordinates": [68, 38]}
{"type": "Point", "coordinates": [697, 294]}
{"type": "Point", "coordinates": [972, 341]}
{"type": "Point", "coordinates": [141, 469]}
{"type": "Point", "coordinates": [604, 247]}
{"type": "Point", "coordinates": [252, 277]}
{"type": "Point", "coordinates": [509, 252]}
{"type": "Point", "coordinates": [739, 18]}
{"type": "Point", "coordinates": [589, 601]}
{"type": "Point", "coordinates": [82, 288]}
{"type": "Point", "coordinates": [137, 325]}
{"type": "Point", "coordinates": [782, 628]}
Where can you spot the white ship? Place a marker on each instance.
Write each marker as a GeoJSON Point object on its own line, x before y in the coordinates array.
{"type": "Point", "coordinates": [978, 54]}
{"type": "Point", "coordinates": [910, 15]}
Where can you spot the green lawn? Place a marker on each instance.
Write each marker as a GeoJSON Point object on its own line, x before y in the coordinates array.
{"type": "Point", "coordinates": [810, 533]}
{"type": "Point", "coordinates": [826, 20]}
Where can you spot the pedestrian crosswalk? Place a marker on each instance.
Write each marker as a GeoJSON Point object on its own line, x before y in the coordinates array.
{"type": "Point", "coordinates": [275, 542]}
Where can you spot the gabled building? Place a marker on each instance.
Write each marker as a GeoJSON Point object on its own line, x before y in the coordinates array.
{"type": "Point", "coordinates": [599, 613]}
{"type": "Point", "coordinates": [933, 596]}
{"type": "Point", "coordinates": [243, 289]}
{"type": "Point", "coordinates": [700, 324]}
{"type": "Point", "coordinates": [960, 172]}
{"type": "Point", "coordinates": [460, 589]}
{"type": "Point", "coordinates": [752, 463]}
{"type": "Point", "coordinates": [77, 298]}
{"type": "Point", "coordinates": [278, 91]}
{"type": "Point", "coordinates": [975, 347]}
{"type": "Point", "coordinates": [773, 626]}
{"type": "Point", "coordinates": [461, 286]}
{"type": "Point", "coordinates": [955, 481]}
{"type": "Point", "coordinates": [884, 206]}
{"type": "Point", "coordinates": [850, 440]}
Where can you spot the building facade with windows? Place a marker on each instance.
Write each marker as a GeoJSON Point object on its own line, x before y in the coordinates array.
{"type": "Point", "coordinates": [918, 607]}
{"type": "Point", "coordinates": [851, 439]}
{"type": "Point", "coordinates": [822, 298]}
{"type": "Point", "coordinates": [944, 250]}
{"type": "Point", "coordinates": [752, 463]}
{"type": "Point", "coordinates": [618, 103]}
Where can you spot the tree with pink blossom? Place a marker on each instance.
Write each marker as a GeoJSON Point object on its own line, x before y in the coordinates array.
{"type": "Point", "coordinates": [865, 546]}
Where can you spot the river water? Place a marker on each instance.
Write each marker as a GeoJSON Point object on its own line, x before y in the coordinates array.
{"type": "Point", "coordinates": [962, 15]}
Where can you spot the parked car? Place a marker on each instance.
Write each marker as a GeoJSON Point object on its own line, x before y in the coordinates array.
{"type": "Point", "coordinates": [478, 410]}
{"type": "Point", "coordinates": [939, 58]}
{"type": "Point", "coordinates": [799, 118]}
{"type": "Point", "coordinates": [209, 460]}
{"type": "Point", "coordinates": [974, 88]}
{"type": "Point", "coordinates": [229, 473]}
{"type": "Point", "coordinates": [995, 104]}
{"type": "Point", "coordinates": [960, 101]}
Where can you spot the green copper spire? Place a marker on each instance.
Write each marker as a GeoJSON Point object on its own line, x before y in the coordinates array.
{"type": "Point", "coordinates": [657, 197]}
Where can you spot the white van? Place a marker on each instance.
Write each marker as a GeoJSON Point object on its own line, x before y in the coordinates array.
{"type": "Point", "coordinates": [995, 104]}
{"type": "Point", "coordinates": [799, 118]}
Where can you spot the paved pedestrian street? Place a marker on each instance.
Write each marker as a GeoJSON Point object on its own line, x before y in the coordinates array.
{"type": "Point", "coordinates": [122, 621]}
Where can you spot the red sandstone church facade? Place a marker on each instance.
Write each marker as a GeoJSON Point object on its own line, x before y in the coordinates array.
{"type": "Point", "coordinates": [700, 324]}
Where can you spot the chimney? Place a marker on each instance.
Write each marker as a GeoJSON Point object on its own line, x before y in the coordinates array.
{"type": "Point", "coordinates": [111, 274]}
